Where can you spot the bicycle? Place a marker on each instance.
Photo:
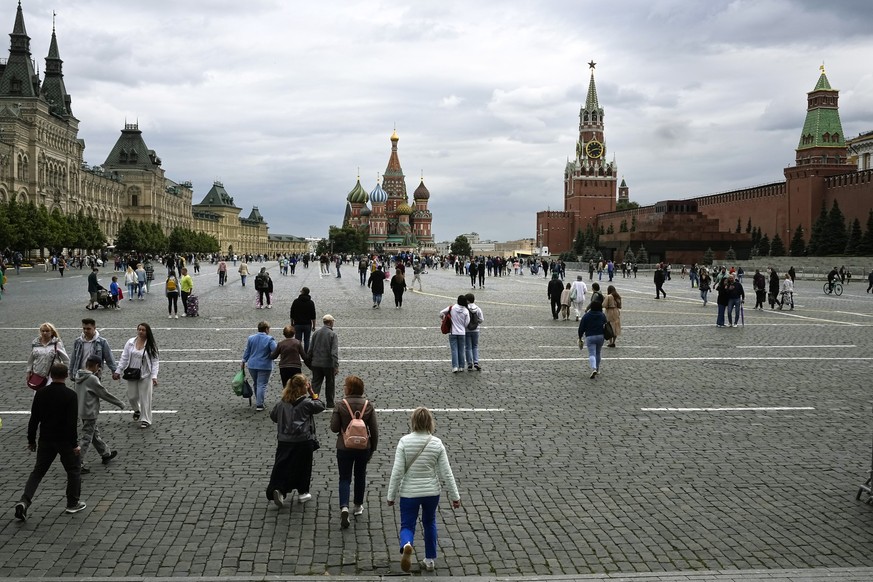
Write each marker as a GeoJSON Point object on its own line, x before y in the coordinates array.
{"type": "Point", "coordinates": [835, 288]}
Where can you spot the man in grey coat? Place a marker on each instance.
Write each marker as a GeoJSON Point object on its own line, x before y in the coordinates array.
{"type": "Point", "coordinates": [90, 391]}
{"type": "Point", "coordinates": [324, 354]}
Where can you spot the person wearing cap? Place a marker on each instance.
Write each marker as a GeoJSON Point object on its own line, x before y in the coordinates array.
{"type": "Point", "coordinates": [324, 355]}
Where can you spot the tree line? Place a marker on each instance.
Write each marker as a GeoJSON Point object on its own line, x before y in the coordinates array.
{"type": "Point", "coordinates": [149, 238]}
{"type": "Point", "coordinates": [31, 226]}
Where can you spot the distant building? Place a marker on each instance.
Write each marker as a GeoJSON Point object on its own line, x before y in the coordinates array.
{"type": "Point", "coordinates": [392, 225]}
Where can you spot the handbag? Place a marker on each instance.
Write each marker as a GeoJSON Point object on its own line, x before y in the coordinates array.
{"type": "Point", "coordinates": [446, 325]}
{"type": "Point", "coordinates": [36, 381]}
{"type": "Point", "coordinates": [131, 373]}
{"type": "Point", "coordinates": [608, 332]}
{"type": "Point", "coordinates": [237, 382]}
{"type": "Point", "coordinates": [573, 293]}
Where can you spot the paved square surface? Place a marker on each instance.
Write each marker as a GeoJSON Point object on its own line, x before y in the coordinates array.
{"type": "Point", "coordinates": [642, 470]}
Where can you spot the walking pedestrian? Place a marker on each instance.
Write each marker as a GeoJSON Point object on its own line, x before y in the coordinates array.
{"type": "Point", "coordinates": [324, 355]}
{"type": "Point", "coordinates": [577, 295]}
{"type": "Point", "coordinates": [398, 286]}
{"type": "Point", "coordinates": [420, 465]}
{"type": "Point", "coordinates": [704, 285]}
{"type": "Point", "coordinates": [353, 461]}
{"type": "Point", "coordinates": [736, 297]}
{"type": "Point", "coordinates": [303, 317]}
{"type": "Point", "coordinates": [243, 272]}
{"type": "Point", "coordinates": [91, 343]}
{"type": "Point", "coordinates": [773, 296]}
{"type": "Point", "coordinates": [722, 299]}
{"type": "Point", "coordinates": [131, 280]}
{"type": "Point", "coordinates": [290, 353]}
{"type": "Point", "coordinates": [417, 268]}
{"type": "Point", "coordinates": [53, 413]}
{"type": "Point", "coordinates": [460, 317]}
{"type": "Point", "coordinates": [591, 331]}
{"type": "Point", "coordinates": [90, 391]}
{"type": "Point", "coordinates": [759, 283]}
{"type": "Point", "coordinates": [222, 273]}
{"type": "Point", "coordinates": [45, 351]}
{"type": "Point", "coordinates": [376, 283]}
{"type": "Point", "coordinates": [553, 292]}
{"type": "Point", "coordinates": [565, 303]}
{"type": "Point", "coordinates": [471, 335]}
{"type": "Point", "coordinates": [787, 292]}
{"type": "Point", "coordinates": [659, 282]}
{"type": "Point", "coordinates": [257, 357]}
{"type": "Point", "coordinates": [612, 307]}
{"type": "Point", "coordinates": [171, 290]}
{"type": "Point", "coordinates": [264, 287]}
{"type": "Point", "coordinates": [139, 365]}
{"type": "Point", "coordinates": [292, 468]}
{"type": "Point", "coordinates": [141, 278]}
{"type": "Point", "coordinates": [94, 288]}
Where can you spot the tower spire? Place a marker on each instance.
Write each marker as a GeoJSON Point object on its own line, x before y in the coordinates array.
{"type": "Point", "coordinates": [591, 100]}
{"type": "Point", "coordinates": [19, 78]}
{"type": "Point", "coordinates": [53, 89]}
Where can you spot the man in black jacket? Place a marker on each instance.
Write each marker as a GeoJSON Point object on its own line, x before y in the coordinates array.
{"type": "Point", "coordinates": [55, 413]}
{"type": "Point", "coordinates": [554, 294]}
{"type": "Point", "coordinates": [303, 317]}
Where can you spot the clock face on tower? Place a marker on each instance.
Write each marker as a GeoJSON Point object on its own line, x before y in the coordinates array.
{"type": "Point", "coordinates": [594, 149]}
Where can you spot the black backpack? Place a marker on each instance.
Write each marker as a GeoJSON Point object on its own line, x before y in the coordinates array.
{"type": "Point", "coordinates": [474, 320]}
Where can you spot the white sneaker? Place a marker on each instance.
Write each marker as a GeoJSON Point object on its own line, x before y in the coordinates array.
{"type": "Point", "coordinates": [303, 498]}
{"type": "Point", "coordinates": [176, 316]}
{"type": "Point", "coordinates": [454, 370]}
{"type": "Point", "coordinates": [184, 315]}
{"type": "Point", "coordinates": [359, 510]}
{"type": "Point", "coordinates": [171, 316]}
{"type": "Point", "coordinates": [269, 307]}
{"type": "Point", "coordinates": [429, 564]}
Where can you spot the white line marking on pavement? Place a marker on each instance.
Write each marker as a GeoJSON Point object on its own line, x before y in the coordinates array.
{"type": "Point", "coordinates": [445, 409]}
{"type": "Point", "coordinates": [577, 347]}
{"type": "Point", "coordinates": [853, 313]}
{"type": "Point", "coordinates": [730, 409]}
{"type": "Point", "coordinates": [791, 347]}
{"type": "Point", "coordinates": [197, 349]}
{"type": "Point", "coordinates": [101, 412]}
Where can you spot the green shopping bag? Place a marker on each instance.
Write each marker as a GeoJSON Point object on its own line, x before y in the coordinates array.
{"type": "Point", "coordinates": [238, 381]}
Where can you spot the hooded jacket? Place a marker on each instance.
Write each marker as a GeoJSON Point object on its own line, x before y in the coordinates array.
{"type": "Point", "coordinates": [89, 391]}
{"type": "Point", "coordinates": [99, 348]}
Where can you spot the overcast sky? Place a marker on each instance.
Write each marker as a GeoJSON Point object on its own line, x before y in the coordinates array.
{"type": "Point", "coordinates": [284, 100]}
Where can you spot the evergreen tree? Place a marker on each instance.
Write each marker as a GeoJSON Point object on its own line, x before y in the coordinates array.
{"type": "Point", "coordinates": [835, 236]}
{"type": "Point", "coordinates": [609, 229]}
{"type": "Point", "coordinates": [798, 247]}
{"type": "Point", "coordinates": [865, 247]}
{"type": "Point", "coordinates": [739, 225]}
{"type": "Point", "coordinates": [777, 247]}
{"type": "Point", "coordinates": [753, 253]}
{"type": "Point", "coordinates": [579, 242]}
{"type": "Point", "coordinates": [623, 226]}
{"type": "Point", "coordinates": [814, 247]}
{"type": "Point", "coordinates": [643, 255]}
{"type": "Point", "coordinates": [731, 255]}
{"type": "Point", "coordinates": [854, 240]}
{"type": "Point", "coordinates": [633, 226]}
{"type": "Point", "coordinates": [629, 256]}
{"type": "Point", "coordinates": [708, 256]}
{"type": "Point", "coordinates": [590, 236]}
{"type": "Point", "coordinates": [756, 236]}
{"type": "Point", "coordinates": [764, 245]}
{"type": "Point", "coordinates": [749, 226]}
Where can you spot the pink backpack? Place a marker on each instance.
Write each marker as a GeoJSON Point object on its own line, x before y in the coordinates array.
{"type": "Point", "coordinates": [356, 435]}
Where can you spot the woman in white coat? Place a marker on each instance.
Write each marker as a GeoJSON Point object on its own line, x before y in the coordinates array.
{"type": "Point", "coordinates": [420, 464]}
{"type": "Point", "coordinates": [139, 365]}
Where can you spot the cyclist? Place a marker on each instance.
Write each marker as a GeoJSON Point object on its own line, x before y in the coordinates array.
{"type": "Point", "coordinates": [787, 292]}
{"type": "Point", "coordinates": [832, 278]}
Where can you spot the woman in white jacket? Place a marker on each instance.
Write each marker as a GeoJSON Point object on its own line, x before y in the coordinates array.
{"type": "Point", "coordinates": [140, 354]}
{"type": "Point", "coordinates": [420, 464]}
{"type": "Point", "coordinates": [460, 317]}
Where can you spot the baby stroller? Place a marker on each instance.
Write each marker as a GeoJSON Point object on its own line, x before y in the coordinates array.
{"type": "Point", "coordinates": [105, 299]}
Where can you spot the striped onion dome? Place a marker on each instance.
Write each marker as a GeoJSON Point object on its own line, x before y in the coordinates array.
{"type": "Point", "coordinates": [358, 195]}
{"type": "Point", "coordinates": [378, 195]}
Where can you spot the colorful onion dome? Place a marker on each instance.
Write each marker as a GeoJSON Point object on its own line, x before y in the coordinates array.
{"type": "Point", "coordinates": [403, 208]}
{"type": "Point", "coordinates": [378, 195]}
{"type": "Point", "coordinates": [421, 193]}
{"type": "Point", "coordinates": [358, 195]}
{"type": "Point", "coordinates": [366, 211]}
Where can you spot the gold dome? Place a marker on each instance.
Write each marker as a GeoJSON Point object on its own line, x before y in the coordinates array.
{"type": "Point", "coordinates": [403, 208]}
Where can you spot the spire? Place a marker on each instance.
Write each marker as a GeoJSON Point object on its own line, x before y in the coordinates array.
{"type": "Point", "coordinates": [822, 127]}
{"type": "Point", "coordinates": [53, 89]}
{"type": "Point", "coordinates": [591, 101]}
{"type": "Point", "coordinates": [19, 78]}
{"type": "Point", "coordinates": [823, 83]}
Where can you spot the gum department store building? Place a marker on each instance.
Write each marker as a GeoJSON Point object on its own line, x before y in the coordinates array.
{"type": "Point", "coordinates": [42, 160]}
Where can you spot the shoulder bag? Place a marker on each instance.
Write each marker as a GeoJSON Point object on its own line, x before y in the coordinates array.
{"type": "Point", "coordinates": [446, 325]}
{"type": "Point", "coordinates": [131, 373]}
{"type": "Point", "coordinates": [418, 454]}
{"type": "Point", "coordinates": [36, 381]}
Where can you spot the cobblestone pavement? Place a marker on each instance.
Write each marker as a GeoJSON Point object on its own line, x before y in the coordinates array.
{"type": "Point", "coordinates": [699, 453]}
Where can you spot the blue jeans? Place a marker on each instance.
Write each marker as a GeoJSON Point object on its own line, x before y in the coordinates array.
{"type": "Point", "coordinates": [595, 346]}
{"type": "Point", "coordinates": [131, 287]}
{"type": "Point", "coordinates": [704, 294]}
{"type": "Point", "coordinates": [458, 345]}
{"type": "Point", "coordinates": [348, 460]}
{"type": "Point", "coordinates": [260, 378]}
{"type": "Point", "coordinates": [377, 298]}
{"type": "Point", "coordinates": [733, 307]}
{"type": "Point", "coordinates": [409, 515]}
{"type": "Point", "coordinates": [472, 347]}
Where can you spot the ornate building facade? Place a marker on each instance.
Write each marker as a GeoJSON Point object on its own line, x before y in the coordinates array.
{"type": "Point", "coordinates": [392, 225]}
{"type": "Point", "coordinates": [42, 161]}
